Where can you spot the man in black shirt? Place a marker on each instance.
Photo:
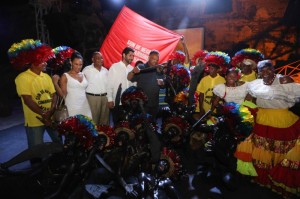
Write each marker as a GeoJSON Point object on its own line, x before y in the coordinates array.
{"type": "Point", "coordinates": [150, 80]}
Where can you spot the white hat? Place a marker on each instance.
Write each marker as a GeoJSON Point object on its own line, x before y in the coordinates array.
{"type": "Point", "coordinates": [264, 63]}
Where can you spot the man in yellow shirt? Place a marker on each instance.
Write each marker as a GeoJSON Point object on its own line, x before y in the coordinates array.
{"type": "Point", "coordinates": [205, 88]}
{"type": "Point", "coordinates": [217, 62]}
{"type": "Point", "coordinates": [36, 90]}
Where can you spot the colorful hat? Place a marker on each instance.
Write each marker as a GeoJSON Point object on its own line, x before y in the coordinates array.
{"type": "Point", "coordinates": [247, 53]}
{"type": "Point", "coordinates": [180, 77]}
{"type": "Point", "coordinates": [218, 58]}
{"type": "Point", "coordinates": [61, 54]}
{"type": "Point", "coordinates": [197, 55]}
{"type": "Point", "coordinates": [29, 51]}
{"type": "Point", "coordinates": [179, 55]}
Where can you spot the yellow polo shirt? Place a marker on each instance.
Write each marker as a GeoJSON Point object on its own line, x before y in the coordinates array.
{"type": "Point", "coordinates": [248, 78]}
{"type": "Point", "coordinates": [40, 88]}
{"type": "Point", "coordinates": [206, 86]}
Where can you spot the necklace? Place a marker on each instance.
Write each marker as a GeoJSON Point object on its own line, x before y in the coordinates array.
{"type": "Point", "coordinates": [270, 82]}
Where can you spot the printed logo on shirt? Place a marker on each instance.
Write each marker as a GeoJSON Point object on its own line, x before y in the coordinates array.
{"type": "Point", "coordinates": [208, 95]}
{"type": "Point", "coordinates": [43, 98]}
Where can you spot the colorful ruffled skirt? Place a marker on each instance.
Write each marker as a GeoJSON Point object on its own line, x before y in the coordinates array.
{"type": "Point", "coordinates": [271, 154]}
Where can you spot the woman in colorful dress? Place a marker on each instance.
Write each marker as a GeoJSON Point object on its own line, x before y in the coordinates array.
{"type": "Point", "coordinates": [271, 154]}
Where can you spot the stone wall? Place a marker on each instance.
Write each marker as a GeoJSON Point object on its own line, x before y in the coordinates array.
{"type": "Point", "coordinates": [247, 25]}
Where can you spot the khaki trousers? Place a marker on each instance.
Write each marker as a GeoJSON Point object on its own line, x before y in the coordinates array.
{"type": "Point", "coordinates": [99, 108]}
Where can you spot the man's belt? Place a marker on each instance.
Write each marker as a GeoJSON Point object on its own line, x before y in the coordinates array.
{"type": "Point", "coordinates": [102, 94]}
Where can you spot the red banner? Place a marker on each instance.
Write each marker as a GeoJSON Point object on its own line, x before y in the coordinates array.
{"type": "Point", "coordinates": [133, 30]}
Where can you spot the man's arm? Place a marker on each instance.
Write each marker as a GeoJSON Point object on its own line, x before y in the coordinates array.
{"type": "Point", "coordinates": [215, 102]}
{"type": "Point", "coordinates": [110, 77]}
{"type": "Point", "coordinates": [130, 75]}
{"type": "Point", "coordinates": [32, 104]}
{"type": "Point", "coordinates": [186, 51]}
{"type": "Point", "coordinates": [37, 109]}
{"type": "Point", "coordinates": [134, 71]}
{"type": "Point", "coordinates": [201, 99]}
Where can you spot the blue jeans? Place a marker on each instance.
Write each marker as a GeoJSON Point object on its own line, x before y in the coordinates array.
{"type": "Point", "coordinates": [35, 135]}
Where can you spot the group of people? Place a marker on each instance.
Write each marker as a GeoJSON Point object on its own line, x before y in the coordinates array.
{"type": "Point", "coordinates": [270, 153]}
{"type": "Point", "coordinates": [93, 91]}
{"type": "Point", "coordinates": [85, 92]}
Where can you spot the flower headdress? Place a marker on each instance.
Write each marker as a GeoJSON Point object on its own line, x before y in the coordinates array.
{"type": "Point", "coordinates": [179, 55]}
{"type": "Point", "coordinates": [218, 58]}
{"type": "Point", "coordinates": [247, 53]}
{"type": "Point", "coordinates": [235, 69]}
{"type": "Point", "coordinates": [61, 54]}
{"type": "Point", "coordinates": [197, 55]}
{"type": "Point", "coordinates": [29, 51]}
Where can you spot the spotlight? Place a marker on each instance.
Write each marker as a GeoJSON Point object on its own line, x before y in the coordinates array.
{"type": "Point", "coordinates": [117, 2]}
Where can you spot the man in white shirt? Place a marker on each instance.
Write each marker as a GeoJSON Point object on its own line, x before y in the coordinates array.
{"type": "Point", "coordinates": [117, 75]}
{"type": "Point", "coordinates": [96, 92]}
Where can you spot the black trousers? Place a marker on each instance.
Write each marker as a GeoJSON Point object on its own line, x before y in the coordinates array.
{"type": "Point", "coordinates": [117, 114]}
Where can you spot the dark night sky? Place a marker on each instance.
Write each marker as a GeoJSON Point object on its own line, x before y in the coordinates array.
{"type": "Point", "coordinates": [17, 21]}
{"type": "Point", "coordinates": [14, 25]}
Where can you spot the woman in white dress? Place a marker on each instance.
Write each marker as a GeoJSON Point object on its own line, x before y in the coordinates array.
{"type": "Point", "coordinates": [234, 107]}
{"type": "Point", "coordinates": [72, 88]}
{"type": "Point", "coordinates": [231, 91]}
